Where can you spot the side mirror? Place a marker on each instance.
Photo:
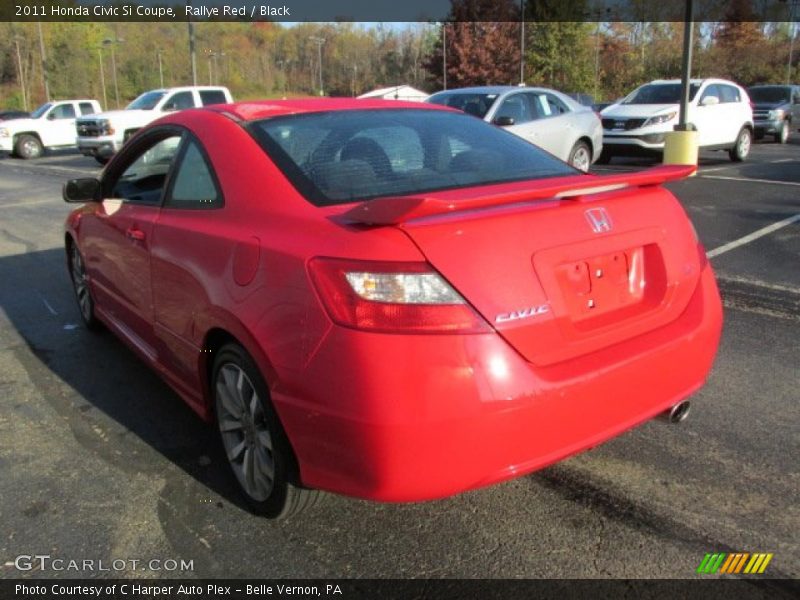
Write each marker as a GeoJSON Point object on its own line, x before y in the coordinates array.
{"type": "Point", "coordinates": [169, 108]}
{"type": "Point", "coordinates": [51, 116]}
{"type": "Point", "coordinates": [709, 101]}
{"type": "Point", "coordinates": [86, 189]}
{"type": "Point", "coordinates": [503, 121]}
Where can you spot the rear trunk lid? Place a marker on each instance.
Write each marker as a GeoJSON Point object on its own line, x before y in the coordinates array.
{"type": "Point", "coordinates": [560, 267]}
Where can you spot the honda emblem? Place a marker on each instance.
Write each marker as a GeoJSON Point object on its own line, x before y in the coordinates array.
{"type": "Point", "coordinates": [599, 220]}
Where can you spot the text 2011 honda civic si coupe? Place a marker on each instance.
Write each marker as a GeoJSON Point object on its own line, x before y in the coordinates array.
{"type": "Point", "coordinates": [391, 301]}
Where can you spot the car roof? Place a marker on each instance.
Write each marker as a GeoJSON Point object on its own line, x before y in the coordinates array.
{"type": "Point", "coordinates": [494, 89]}
{"type": "Point", "coordinates": [264, 109]}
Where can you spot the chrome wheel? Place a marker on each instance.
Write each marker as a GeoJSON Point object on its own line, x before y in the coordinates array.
{"type": "Point", "coordinates": [245, 433]}
{"type": "Point", "coordinates": [741, 149]}
{"type": "Point", "coordinates": [581, 158]}
{"type": "Point", "coordinates": [783, 135]}
{"type": "Point", "coordinates": [85, 303]}
{"type": "Point", "coordinates": [27, 146]}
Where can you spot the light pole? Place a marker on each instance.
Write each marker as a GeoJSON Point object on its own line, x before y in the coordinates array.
{"type": "Point", "coordinates": [319, 41]}
{"type": "Point", "coordinates": [112, 43]}
{"type": "Point", "coordinates": [792, 32]}
{"type": "Point", "coordinates": [45, 81]}
{"type": "Point", "coordinates": [21, 75]}
{"type": "Point", "coordinates": [102, 78]}
{"type": "Point", "coordinates": [192, 51]}
{"type": "Point", "coordinates": [522, 42]}
{"type": "Point", "coordinates": [444, 56]}
{"type": "Point", "coordinates": [160, 70]}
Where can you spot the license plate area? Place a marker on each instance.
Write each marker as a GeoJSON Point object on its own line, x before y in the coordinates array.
{"type": "Point", "coordinates": [608, 287]}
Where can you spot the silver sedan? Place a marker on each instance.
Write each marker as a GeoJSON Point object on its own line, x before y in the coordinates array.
{"type": "Point", "coordinates": [551, 120]}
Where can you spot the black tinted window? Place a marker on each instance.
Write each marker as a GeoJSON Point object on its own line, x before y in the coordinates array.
{"type": "Point", "coordinates": [338, 157]}
{"type": "Point", "coordinates": [62, 111]}
{"type": "Point", "coordinates": [515, 107]}
{"type": "Point", "coordinates": [86, 108]}
{"type": "Point", "coordinates": [728, 93]}
{"type": "Point", "coordinates": [769, 94]}
{"type": "Point", "coordinates": [660, 93]}
{"type": "Point", "coordinates": [473, 104]}
{"type": "Point", "coordinates": [144, 179]}
{"type": "Point", "coordinates": [212, 97]}
{"type": "Point", "coordinates": [194, 185]}
{"type": "Point", "coordinates": [179, 101]}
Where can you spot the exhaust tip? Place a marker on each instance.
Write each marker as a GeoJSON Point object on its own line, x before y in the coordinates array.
{"type": "Point", "coordinates": [677, 413]}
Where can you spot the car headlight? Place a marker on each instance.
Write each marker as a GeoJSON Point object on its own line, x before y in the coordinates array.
{"type": "Point", "coordinates": [4, 132]}
{"type": "Point", "coordinates": [776, 114]}
{"type": "Point", "coordinates": [660, 119]}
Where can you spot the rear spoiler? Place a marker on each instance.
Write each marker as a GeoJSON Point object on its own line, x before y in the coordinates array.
{"type": "Point", "coordinates": [393, 211]}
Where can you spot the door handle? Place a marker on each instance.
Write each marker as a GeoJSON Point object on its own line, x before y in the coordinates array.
{"type": "Point", "coordinates": [135, 234]}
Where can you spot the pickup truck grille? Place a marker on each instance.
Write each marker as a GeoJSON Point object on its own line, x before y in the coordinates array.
{"type": "Point", "coordinates": [90, 129]}
{"type": "Point", "coordinates": [626, 124]}
{"type": "Point", "coordinates": [760, 115]}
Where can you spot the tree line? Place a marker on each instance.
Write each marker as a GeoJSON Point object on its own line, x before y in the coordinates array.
{"type": "Point", "coordinates": [268, 60]}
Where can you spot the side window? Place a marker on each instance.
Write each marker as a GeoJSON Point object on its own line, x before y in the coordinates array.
{"type": "Point", "coordinates": [212, 97]}
{"type": "Point", "coordinates": [143, 181]}
{"type": "Point", "coordinates": [796, 96]}
{"type": "Point", "coordinates": [516, 108]}
{"type": "Point", "coordinates": [62, 111]}
{"type": "Point", "coordinates": [712, 90]}
{"type": "Point", "coordinates": [194, 185]}
{"type": "Point", "coordinates": [729, 93]}
{"type": "Point", "coordinates": [179, 101]}
{"type": "Point", "coordinates": [87, 108]}
{"type": "Point", "coordinates": [557, 107]}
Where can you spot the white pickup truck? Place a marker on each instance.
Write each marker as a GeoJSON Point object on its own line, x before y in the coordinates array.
{"type": "Point", "coordinates": [52, 125]}
{"type": "Point", "coordinates": [103, 134]}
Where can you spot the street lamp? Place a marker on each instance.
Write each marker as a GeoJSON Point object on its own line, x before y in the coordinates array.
{"type": "Point", "coordinates": [319, 41]}
{"type": "Point", "coordinates": [111, 43]}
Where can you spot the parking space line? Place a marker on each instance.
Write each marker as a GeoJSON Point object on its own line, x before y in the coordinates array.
{"type": "Point", "coordinates": [31, 203]}
{"type": "Point", "coordinates": [752, 236]}
{"type": "Point", "coordinates": [750, 180]}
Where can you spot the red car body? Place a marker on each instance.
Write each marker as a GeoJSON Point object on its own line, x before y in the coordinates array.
{"type": "Point", "coordinates": [577, 326]}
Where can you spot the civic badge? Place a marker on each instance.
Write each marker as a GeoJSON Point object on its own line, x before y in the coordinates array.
{"type": "Point", "coordinates": [599, 220]}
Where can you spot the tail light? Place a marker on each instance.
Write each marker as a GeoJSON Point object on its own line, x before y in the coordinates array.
{"type": "Point", "coordinates": [392, 297]}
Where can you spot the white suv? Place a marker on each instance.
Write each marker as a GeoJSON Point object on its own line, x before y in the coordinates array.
{"type": "Point", "coordinates": [104, 134]}
{"type": "Point", "coordinates": [52, 125]}
{"type": "Point", "coordinates": [720, 110]}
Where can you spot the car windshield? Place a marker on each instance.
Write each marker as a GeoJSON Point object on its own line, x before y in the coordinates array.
{"type": "Point", "coordinates": [343, 156]}
{"type": "Point", "coordinates": [475, 104]}
{"type": "Point", "coordinates": [146, 101]}
{"type": "Point", "coordinates": [770, 95]}
{"type": "Point", "coordinates": [660, 93]}
{"type": "Point", "coordinates": [37, 114]}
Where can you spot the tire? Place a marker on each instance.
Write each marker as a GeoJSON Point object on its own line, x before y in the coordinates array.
{"type": "Point", "coordinates": [604, 158]}
{"type": "Point", "coordinates": [782, 135]}
{"type": "Point", "coordinates": [28, 146]}
{"type": "Point", "coordinates": [254, 442]}
{"type": "Point", "coordinates": [83, 293]}
{"type": "Point", "coordinates": [103, 160]}
{"type": "Point", "coordinates": [741, 149]}
{"type": "Point", "coordinates": [580, 156]}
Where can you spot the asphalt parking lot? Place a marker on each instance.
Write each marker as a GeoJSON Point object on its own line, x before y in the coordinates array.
{"type": "Point", "coordinates": [100, 460]}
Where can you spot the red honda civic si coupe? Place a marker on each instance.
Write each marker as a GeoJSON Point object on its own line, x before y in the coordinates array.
{"type": "Point", "coordinates": [391, 301]}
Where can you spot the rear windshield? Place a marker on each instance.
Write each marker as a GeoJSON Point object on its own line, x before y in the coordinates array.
{"type": "Point", "coordinates": [146, 101]}
{"type": "Point", "coordinates": [343, 156]}
{"type": "Point", "coordinates": [473, 104]}
{"type": "Point", "coordinates": [660, 93]}
{"type": "Point", "coordinates": [769, 94]}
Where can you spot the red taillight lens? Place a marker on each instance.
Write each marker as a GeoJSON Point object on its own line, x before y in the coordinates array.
{"type": "Point", "coordinates": [392, 297]}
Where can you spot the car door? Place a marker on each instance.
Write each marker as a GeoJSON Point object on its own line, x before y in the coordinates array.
{"type": "Point", "coordinates": [554, 125]}
{"type": "Point", "coordinates": [116, 239]}
{"type": "Point", "coordinates": [187, 254]}
{"type": "Point", "coordinates": [796, 107]}
{"type": "Point", "coordinates": [707, 117]}
{"type": "Point", "coordinates": [60, 129]}
{"type": "Point", "coordinates": [514, 114]}
{"type": "Point", "coordinates": [733, 113]}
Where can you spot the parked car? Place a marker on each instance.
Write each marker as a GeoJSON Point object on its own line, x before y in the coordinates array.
{"type": "Point", "coordinates": [545, 117]}
{"type": "Point", "coordinates": [719, 109]}
{"type": "Point", "coordinates": [391, 300]}
{"type": "Point", "coordinates": [7, 115]}
{"type": "Point", "coordinates": [52, 125]}
{"type": "Point", "coordinates": [104, 134]}
{"type": "Point", "coordinates": [776, 109]}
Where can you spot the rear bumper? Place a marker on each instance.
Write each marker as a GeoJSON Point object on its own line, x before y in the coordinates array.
{"type": "Point", "coordinates": [399, 418]}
